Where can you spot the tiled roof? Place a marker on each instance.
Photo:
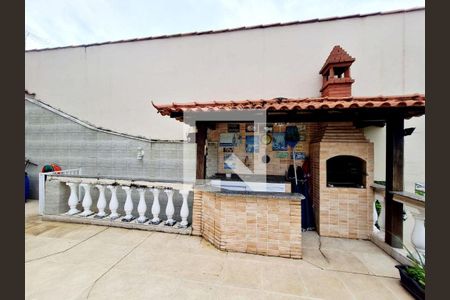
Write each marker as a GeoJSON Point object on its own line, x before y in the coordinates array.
{"type": "Point", "coordinates": [305, 104]}
{"type": "Point", "coordinates": [337, 55]}
{"type": "Point", "coordinates": [380, 13]}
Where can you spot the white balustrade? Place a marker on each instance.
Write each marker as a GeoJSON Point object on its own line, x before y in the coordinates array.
{"type": "Point", "coordinates": [101, 203]}
{"type": "Point", "coordinates": [375, 215]}
{"type": "Point", "coordinates": [170, 209]}
{"type": "Point", "coordinates": [418, 233]}
{"type": "Point", "coordinates": [156, 208]}
{"type": "Point", "coordinates": [184, 212]}
{"type": "Point", "coordinates": [142, 206]}
{"type": "Point", "coordinates": [382, 216]}
{"type": "Point", "coordinates": [128, 207]}
{"type": "Point", "coordinates": [73, 199]}
{"type": "Point", "coordinates": [87, 200]}
{"type": "Point", "coordinates": [113, 203]}
{"type": "Point", "coordinates": [109, 210]}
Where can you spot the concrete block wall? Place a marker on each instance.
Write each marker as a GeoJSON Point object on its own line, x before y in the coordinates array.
{"type": "Point", "coordinates": [53, 138]}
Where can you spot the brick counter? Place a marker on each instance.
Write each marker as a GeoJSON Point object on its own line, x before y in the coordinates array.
{"type": "Point", "coordinates": [258, 223]}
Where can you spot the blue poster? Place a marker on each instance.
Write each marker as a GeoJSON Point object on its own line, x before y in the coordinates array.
{"type": "Point", "coordinates": [299, 155]}
{"type": "Point", "coordinates": [278, 142]}
{"type": "Point", "coordinates": [252, 144]}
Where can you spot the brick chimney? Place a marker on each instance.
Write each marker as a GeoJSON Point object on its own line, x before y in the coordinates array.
{"type": "Point", "coordinates": [336, 74]}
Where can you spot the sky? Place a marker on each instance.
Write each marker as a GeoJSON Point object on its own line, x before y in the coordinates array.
{"type": "Point", "coordinates": [56, 23]}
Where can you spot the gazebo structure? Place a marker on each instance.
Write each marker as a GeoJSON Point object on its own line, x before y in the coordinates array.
{"type": "Point", "coordinates": [244, 201]}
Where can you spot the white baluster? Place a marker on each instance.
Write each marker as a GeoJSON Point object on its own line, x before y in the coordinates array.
{"type": "Point", "coordinates": [184, 212]}
{"type": "Point", "coordinates": [113, 203]}
{"type": "Point", "coordinates": [156, 208]}
{"type": "Point", "coordinates": [73, 199]}
{"type": "Point", "coordinates": [142, 206]}
{"type": "Point", "coordinates": [170, 209]}
{"type": "Point", "coordinates": [418, 233]}
{"type": "Point", "coordinates": [382, 216]}
{"type": "Point", "coordinates": [87, 200]}
{"type": "Point", "coordinates": [101, 203]}
{"type": "Point", "coordinates": [375, 215]}
{"type": "Point", "coordinates": [128, 207]}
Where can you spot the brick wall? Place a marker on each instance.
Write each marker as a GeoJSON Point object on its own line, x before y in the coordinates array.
{"type": "Point", "coordinates": [251, 224]}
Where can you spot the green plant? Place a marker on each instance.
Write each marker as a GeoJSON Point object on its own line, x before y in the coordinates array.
{"type": "Point", "coordinates": [417, 269]}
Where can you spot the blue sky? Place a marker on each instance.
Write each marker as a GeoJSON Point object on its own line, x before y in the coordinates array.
{"type": "Point", "coordinates": [54, 23]}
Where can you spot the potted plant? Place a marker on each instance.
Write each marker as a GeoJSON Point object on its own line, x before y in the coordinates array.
{"type": "Point", "coordinates": [412, 277]}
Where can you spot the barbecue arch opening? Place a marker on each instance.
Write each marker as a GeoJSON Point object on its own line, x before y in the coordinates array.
{"type": "Point", "coordinates": [346, 171]}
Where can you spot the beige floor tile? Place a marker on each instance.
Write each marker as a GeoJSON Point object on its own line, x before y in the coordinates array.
{"type": "Point", "coordinates": [379, 263]}
{"type": "Point", "coordinates": [48, 280]}
{"type": "Point", "coordinates": [242, 274]}
{"type": "Point", "coordinates": [324, 285]}
{"type": "Point", "coordinates": [366, 287]}
{"type": "Point", "coordinates": [39, 247]}
{"type": "Point", "coordinates": [118, 284]}
{"type": "Point", "coordinates": [236, 293]}
{"type": "Point", "coordinates": [285, 279]}
{"type": "Point", "coordinates": [396, 288]}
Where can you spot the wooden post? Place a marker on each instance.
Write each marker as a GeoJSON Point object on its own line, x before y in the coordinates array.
{"type": "Point", "coordinates": [394, 181]}
{"type": "Point", "coordinates": [200, 140]}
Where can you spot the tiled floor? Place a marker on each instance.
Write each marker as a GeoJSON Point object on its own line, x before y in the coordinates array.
{"type": "Point", "coordinates": [75, 261]}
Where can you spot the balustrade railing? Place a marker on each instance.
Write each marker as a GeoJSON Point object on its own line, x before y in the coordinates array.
{"type": "Point", "coordinates": [414, 217]}
{"type": "Point", "coordinates": [108, 208]}
{"type": "Point", "coordinates": [42, 178]}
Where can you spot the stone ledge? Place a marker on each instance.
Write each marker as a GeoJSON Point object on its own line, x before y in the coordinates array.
{"type": "Point", "coordinates": [116, 223]}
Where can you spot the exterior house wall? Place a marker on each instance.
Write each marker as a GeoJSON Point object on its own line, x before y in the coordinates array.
{"type": "Point", "coordinates": [112, 85]}
{"type": "Point", "coordinates": [52, 138]}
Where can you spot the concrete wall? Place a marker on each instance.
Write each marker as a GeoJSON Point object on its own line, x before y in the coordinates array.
{"type": "Point", "coordinates": [52, 138]}
{"type": "Point", "coordinates": [112, 85]}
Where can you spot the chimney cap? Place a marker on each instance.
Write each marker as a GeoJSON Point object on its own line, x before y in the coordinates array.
{"type": "Point", "coordinates": [337, 56]}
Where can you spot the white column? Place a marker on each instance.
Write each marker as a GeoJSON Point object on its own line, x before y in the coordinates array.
{"type": "Point", "coordinates": [184, 212]}
{"type": "Point", "coordinates": [142, 206]}
{"type": "Point", "coordinates": [87, 200]}
{"type": "Point", "coordinates": [156, 208]}
{"type": "Point", "coordinates": [418, 233]}
{"type": "Point", "coordinates": [170, 209]}
{"type": "Point", "coordinates": [101, 203]}
{"type": "Point", "coordinates": [73, 199]}
{"type": "Point", "coordinates": [113, 203]}
{"type": "Point", "coordinates": [128, 207]}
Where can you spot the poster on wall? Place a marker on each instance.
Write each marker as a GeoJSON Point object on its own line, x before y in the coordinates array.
{"type": "Point", "coordinates": [299, 155]}
{"type": "Point", "coordinates": [228, 161]}
{"type": "Point", "coordinates": [282, 155]}
{"type": "Point", "coordinates": [233, 127]}
{"type": "Point", "coordinates": [299, 147]}
{"type": "Point", "coordinates": [278, 142]}
{"type": "Point", "coordinates": [229, 139]}
{"type": "Point", "coordinates": [252, 144]}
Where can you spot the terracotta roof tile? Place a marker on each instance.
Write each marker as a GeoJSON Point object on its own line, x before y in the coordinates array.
{"type": "Point", "coordinates": [305, 104]}
{"type": "Point", "coordinates": [337, 55]}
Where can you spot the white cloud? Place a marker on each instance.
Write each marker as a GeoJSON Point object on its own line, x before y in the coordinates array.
{"type": "Point", "coordinates": [52, 23]}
